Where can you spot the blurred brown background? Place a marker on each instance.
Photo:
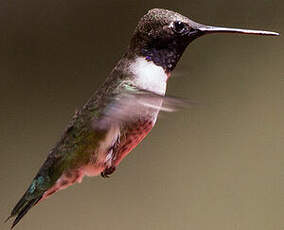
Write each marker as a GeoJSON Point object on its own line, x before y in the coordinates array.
{"type": "Point", "coordinates": [218, 165]}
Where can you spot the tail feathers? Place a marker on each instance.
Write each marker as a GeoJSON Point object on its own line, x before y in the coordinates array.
{"type": "Point", "coordinates": [21, 208]}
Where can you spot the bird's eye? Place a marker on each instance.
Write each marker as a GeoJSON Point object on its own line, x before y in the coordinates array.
{"type": "Point", "coordinates": [179, 27]}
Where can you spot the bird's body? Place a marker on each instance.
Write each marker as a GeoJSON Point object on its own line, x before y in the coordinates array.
{"type": "Point", "coordinates": [123, 111]}
{"type": "Point", "coordinates": [106, 147]}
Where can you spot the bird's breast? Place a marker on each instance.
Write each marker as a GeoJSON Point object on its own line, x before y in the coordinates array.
{"type": "Point", "coordinates": [131, 135]}
{"type": "Point", "coordinates": [149, 76]}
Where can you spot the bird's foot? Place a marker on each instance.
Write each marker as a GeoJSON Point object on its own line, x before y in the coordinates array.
{"type": "Point", "coordinates": [108, 171]}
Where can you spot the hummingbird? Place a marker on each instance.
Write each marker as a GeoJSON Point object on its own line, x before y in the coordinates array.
{"type": "Point", "coordinates": [120, 114]}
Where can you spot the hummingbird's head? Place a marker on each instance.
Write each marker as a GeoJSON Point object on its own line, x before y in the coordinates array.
{"type": "Point", "coordinates": [162, 36]}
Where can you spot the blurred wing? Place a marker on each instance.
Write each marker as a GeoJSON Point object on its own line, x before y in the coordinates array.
{"type": "Point", "coordinates": [130, 104]}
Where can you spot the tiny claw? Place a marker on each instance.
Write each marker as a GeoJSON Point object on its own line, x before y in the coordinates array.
{"type": "Point", "coordinates": [104, 175]}
{"type": "Point", "coordinates": [107, 172]}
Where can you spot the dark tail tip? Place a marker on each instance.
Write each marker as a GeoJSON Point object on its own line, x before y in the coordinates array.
{"type": "Point", "coordinates": [21, 209]}
{"type": "Point", "coordinates": [9, 217]}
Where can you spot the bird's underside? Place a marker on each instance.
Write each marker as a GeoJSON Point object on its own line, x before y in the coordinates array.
{"type": "Point", "coordinates": [105, 162]}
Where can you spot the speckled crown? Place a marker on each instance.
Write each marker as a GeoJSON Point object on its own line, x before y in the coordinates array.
{"type": "Point", "coordinates": [158, 17]}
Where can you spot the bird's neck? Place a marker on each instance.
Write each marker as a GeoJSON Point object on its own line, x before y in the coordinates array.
{"type": "Point", "coordinates": [139, 71]}
{"type": "Point", "coordinates": [167, 58]}
{"type": "Point", "coordinates": [164, 52]}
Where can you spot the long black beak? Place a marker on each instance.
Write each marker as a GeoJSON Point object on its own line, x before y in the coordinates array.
{"type": "Point", "coordinates": [215, 29]}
